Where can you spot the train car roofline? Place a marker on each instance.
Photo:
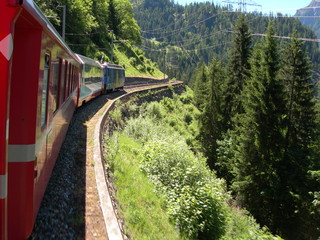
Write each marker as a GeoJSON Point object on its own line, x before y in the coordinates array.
{"type": "Point", "coordinates": [35, 11]}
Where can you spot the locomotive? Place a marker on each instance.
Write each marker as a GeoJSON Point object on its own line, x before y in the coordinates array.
{"type": "Point", "coordinates": [42, 83]}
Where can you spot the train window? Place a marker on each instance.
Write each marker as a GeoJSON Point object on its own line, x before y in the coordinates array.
{"type": "Point", "coordinates": [62, 82]}
{"type": "Point", "coordinates": [55, 83]}
{"type": "Point", "coordinates": [69, 79]}
{"type": "Point", "coordinates": [44, 98]}
{"type": "Point", "coordinates": [66, 81]}
{"type": "Point", "coordinates": [72, 79]}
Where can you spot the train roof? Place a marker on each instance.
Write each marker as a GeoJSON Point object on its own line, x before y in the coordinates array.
{"type": "Point", "coordinates": [113, 66]}
{"type": "Point", "coordinates": [88, 61]}
{"type": "Point", "coordinates": [35, 11]}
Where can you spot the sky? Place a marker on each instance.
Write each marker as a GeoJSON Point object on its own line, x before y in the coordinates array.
{"type": "Point", "coordinates": [284, 6]}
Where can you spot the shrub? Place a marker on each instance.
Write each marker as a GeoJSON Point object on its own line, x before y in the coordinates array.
{"type": "Point", "coordinates": [187, 96]}
{"type": "Point", "coordinates": [155, 109]}
{"type": "Point", "coordinates": [141, 57]}
{"type": "Point", "coordinates": [150, 69]}
{"type": "Point", "coordinates": [133, 61]}
{"type": "Point", "coordinates": [141, 68]}
{"type": "Point", "coordinates": [188, 118]}
{"type": "Point", "coordinates": [195, 197]}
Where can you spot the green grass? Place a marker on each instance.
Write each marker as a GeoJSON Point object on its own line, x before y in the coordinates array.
{"type": "Point", "coordinates": [144, 211]}
{"type": "Point", "coordinates": [141, 206]}
{"type": "Point", "coordinates": [141, 68]}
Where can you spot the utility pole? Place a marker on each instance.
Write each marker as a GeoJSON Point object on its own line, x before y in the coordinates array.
{"type": "Point", "coordinates": [164, 64]}
{"type": "Point", "coordinates": [111, 45]}
{"type": "Point", "coordinates": [63, 21]}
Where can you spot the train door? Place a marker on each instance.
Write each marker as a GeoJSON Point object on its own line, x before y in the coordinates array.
{"type": "Point", "coordinates": [22, 126]}
{"type": "Point", "coordinates": [7, 16]}
{"type": "Point", "coordinates": [105, 79]}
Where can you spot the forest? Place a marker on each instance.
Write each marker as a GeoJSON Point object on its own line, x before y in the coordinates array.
{"type": "Point", "coordinates": [91, 25]}
{"type": "Point", "coordinates": [258, 98]}
{"type": "Point", "coordinates": [259, 129]}
{"type": "Point", "coordinates": [179, 37]}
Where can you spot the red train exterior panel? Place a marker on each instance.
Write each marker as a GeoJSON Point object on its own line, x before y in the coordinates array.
{"type": "Point", "coordinates": [22, 131]}
{"type": "Point", "coordinates": [7, 18]}
{"type": "Point", "coordinates": [39, 91]}
{"type": "Point", "coordinates": [34, 118]}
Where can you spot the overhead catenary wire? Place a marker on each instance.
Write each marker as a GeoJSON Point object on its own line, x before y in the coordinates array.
{"type": "Point", "coordinates": [280, 9]}
{"type": "Point", "coordinates": [162, 34]}
{"type": "Point", "coordinates": [151, 31]}
{"type": "Point", "coordinates": [186, 27]}
{"type": "Point", "coordinates": [186, 40]}
{"type": "Point", "coordinates": [199, 37]}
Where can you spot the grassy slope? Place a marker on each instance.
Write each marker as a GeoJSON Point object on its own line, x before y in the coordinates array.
{"type": "Point", "coordinates": [136, 64]}
{"type": "Point", "coordinates": [143, 209]}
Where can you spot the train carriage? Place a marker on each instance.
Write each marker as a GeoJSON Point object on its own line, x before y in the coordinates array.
{"type": "Point", "coordinates": [114, 77]}
{"type": "Point", "coordinates": [91, 79]}
{"type": "Point", "coordinates": [38, 89]}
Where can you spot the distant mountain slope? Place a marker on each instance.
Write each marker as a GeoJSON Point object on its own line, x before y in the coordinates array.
{"type": "Point", "coordinates": [180, 37]}
{"type": "Point", "coordinates": [313, 9]}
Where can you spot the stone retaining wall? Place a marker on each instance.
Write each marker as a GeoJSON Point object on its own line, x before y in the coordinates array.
{"type": "Point", "coordinates": [141, 80]}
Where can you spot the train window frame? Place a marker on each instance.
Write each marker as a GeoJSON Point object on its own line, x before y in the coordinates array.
{"type": "Point", "coordinates": [55, 83]}
{"type": "Point", "coordinates": [62, 82]}
{"type": "Point", "coordinates": [66, 77]}
{"type": "Point", "coordinates": [45, 89]}
{"type": "Point", "coordinates": [69, 79]}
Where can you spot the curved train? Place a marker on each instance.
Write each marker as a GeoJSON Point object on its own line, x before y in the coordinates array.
{"type": "Point", "coordinates": [42, 83]}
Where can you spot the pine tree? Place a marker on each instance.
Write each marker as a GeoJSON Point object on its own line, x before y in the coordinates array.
{"type": "Point", "coordinates": [300, 127]}
{"type": "Point", "coordinates": [201, 87]}
{"type": "Point", "coordinates": [239, 68]}
{"type": "Point", "coordinates": [114, 18]}
{"type": "Point", "coordinates": [211, 120]}
{"type": "Point", "coordinates": [258, 135]}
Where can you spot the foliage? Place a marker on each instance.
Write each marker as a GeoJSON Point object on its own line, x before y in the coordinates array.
{"type": "Point", "coordinates": [298, 138]}
{"type": "Point", "coordinates": [238, 69]}
{"type": "Point", "coordinates": [242, 226]}
{"type": "Point", "coordinates": [128, 56]}
{"type": "Point", "coordinates": [268, 145]}
{"type": "Point", "coordinates": [194, 196]}
{"type": "Point", "coordinates": [143, 209]}
{"type": "Point", "coordinates": [211, 121]}
{"type": "Point", "coordinates": [199, 32]}
{"type": "Point", "coordinates": [258, 135]}
{"type": "Point", "coordinates": [92, 27]}
{"type": "Point", "coordinates": [201, 87]}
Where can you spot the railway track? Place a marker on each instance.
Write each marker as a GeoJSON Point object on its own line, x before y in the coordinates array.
{"type": "Point", "coordinates": [70, 208]}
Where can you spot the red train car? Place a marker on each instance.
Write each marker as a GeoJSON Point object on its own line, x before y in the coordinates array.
{"type": "Point", "coordinates": [39, 87]}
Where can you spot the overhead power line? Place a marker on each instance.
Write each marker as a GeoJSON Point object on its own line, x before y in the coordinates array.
{"type": "Point", "coordinates": [283, 37]}
{"type": "Point", "coordinates": [190, 41]}
{"type": "Point", "coordinates": [186, 27]}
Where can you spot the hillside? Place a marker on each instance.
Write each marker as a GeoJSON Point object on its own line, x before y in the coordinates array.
{"type": "Point", "coordinates": [102, 29]}
{"type": "Point", "coordinates": [179, 37]}
{"type": "Point", "coordinates": [311, 10]}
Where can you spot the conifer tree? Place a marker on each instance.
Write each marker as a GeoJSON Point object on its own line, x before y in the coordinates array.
{"type": "Point", "coordinates": [201, 87]}
{"type": "Point", "coordinates": [211, 120]}
{"type": "Point", "coordinates": [239, 68]}
{"type": "Point", "coordinates": [114, 18]}
{"type": "Point", "coordinates": [300, 127]}
{"type": "Point", "coordinates": [258, 135]}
